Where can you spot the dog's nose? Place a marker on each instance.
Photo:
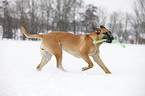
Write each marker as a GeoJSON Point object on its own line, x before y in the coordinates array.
{"type": "Point", "coordinates": [111, 37]}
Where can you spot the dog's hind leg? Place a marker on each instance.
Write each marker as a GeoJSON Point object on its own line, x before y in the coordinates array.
{"type": "Point", "coordinates": [55, 49]}
{"type": "Point", "coordinates": [59, 61]}
{"type": "Point", "coordinates": [58, 56]}
{"type": "Point", "coordinates": [46, 56]}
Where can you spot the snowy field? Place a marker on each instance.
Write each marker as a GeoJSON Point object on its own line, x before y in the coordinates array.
{"type": "Point", "coordinates": [18, 75]}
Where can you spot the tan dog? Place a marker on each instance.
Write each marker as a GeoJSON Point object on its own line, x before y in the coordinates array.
{"type": "Point", "coordinates": [80, 46]}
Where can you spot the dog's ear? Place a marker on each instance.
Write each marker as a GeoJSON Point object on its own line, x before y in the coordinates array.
{"type": "Point", "coordinates": [93, 27]}
{"type": "Point", "coordinates": [97, 30]}
{"type": "Point", "coordinates": [102, 26]}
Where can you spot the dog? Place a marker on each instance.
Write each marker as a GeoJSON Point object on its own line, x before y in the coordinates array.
{"type": "Point", "coordinates": [80, 46]}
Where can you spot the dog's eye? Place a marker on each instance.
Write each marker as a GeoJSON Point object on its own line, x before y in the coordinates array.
{"type": "Point", "coordinates": [97, 32]}
{"type": "Point", "coordinates": [106, 33]}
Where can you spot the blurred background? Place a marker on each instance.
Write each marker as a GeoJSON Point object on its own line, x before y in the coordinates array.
{"type": "Point", "coordinates": [125, 20]}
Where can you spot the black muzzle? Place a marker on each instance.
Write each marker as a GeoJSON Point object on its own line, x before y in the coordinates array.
{"type": "Point", "coordinates": [110, 38]}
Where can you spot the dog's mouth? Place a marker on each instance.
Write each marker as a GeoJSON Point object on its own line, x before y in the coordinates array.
{"type": "Point", "coordinates": [109, 39]}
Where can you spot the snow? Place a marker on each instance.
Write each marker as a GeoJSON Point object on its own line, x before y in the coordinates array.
{"type": "Point", "coordinates": [18, 75]}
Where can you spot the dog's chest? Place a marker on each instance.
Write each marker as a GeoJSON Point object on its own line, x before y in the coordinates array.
{"type": "Point", "coordinates": [93, 51]}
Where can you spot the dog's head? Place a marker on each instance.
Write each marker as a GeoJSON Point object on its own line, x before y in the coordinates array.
{"type": "Point", "coordinates": [104, 33]}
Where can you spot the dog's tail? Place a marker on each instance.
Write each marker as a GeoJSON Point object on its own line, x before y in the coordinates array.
{"type": "Point", "coordinates": [29, 35]}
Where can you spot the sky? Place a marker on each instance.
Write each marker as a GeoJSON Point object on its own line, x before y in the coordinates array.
{"type": "Point", "coordinates": [113, 5]}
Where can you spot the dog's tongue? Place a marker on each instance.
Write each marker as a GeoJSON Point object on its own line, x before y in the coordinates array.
{"type": "Point", "coordinates": [109, 40]}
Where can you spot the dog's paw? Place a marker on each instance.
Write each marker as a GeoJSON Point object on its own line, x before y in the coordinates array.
{"type": "Point", "coordinates": [108, 72]}
{"type": "Point", "coordinates": [84, 68]}
{"type": "Point", "coordinates": [38, 69]}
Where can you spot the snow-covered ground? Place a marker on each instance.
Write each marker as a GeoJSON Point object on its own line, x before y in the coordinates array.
{"type": "Point", "coordinates": [18, 75]}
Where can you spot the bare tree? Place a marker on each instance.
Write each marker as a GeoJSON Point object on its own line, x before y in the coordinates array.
{"type": "Point", "coordinates": [102, 14]}
{"type": "Point", "coordinates": [118, 25]}
{"type": "Point", "coordinates": [7, 21]}
{"type": "Point", "coordinates": [22, 8]}
{"type": "Point", "coordinates": [75, 10]}
{"type": "Point", "coordinates": [127, 28]}
{"type": "Point", "coordinates": [89, 17]}
{"type": "Point", "coordinates": [49, 10]}
{"type": "Point", "coordinates": [139, 24]}
{"type": "Point", "coordinates": [63, 15]}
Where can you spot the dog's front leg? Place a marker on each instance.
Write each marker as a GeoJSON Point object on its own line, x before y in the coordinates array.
{"type": "Point", "coordinates": [98, 60]}
{"type": "Point", "coordinates": [85, 56]}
